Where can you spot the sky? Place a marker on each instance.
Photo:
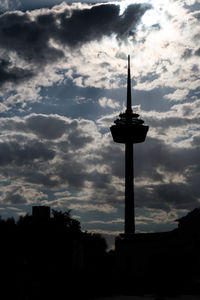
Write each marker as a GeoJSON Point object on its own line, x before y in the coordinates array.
{"type": "Point", "coordinates": [63, 68]}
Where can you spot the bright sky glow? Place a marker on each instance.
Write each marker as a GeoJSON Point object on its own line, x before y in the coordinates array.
{"type": "Point", "coordinates": [150, 18]}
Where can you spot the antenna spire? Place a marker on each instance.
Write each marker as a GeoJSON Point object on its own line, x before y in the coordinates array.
{"type": "Point", "coordinates": [129, 108]}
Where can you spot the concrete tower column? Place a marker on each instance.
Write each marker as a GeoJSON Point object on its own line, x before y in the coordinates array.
{"type": "Point", "coordinates": [129, 189]}
{"type": "Point", "coordinates": [129, 172]}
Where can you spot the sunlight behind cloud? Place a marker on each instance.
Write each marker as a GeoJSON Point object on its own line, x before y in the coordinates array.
{"type": "Point", "coordinates": [150, 18]}
{"type": "Point", "coordinates": [126, 3]}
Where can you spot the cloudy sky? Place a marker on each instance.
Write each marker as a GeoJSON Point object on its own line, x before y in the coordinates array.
{"type": "Point", "coordinates": [63, 72]}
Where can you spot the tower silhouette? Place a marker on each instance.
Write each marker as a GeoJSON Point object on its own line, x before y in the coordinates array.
{"type": "Point", "coordinates": [129, 129]}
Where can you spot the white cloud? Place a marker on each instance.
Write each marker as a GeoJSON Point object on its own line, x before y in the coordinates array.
{"type": "Point", "coordinates": [114, 221]}
{"type": "Point", "coordinates": [179, 94]}
{"type": "Point", "coordinates": [17, 194]}
{"type": "Point", "coordinates": [106, 102]}
{"type": "Point", "coordinates": [106, 208]}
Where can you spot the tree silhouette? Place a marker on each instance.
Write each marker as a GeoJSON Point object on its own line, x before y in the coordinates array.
{"type": "Point", "coordinates": [65, 221]}
{"type": "Point", "coordinates": [24, 221]}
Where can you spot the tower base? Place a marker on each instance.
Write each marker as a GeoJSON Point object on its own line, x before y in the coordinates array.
{"type": "Point", "coordinates": [130, 254]}
{"type": "Point", "coordinates": [156, 254]}
{"type": "Point", "coordinates": [139, 253]}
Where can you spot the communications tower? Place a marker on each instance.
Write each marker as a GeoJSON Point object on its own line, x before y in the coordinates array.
{"type": "Point", "coordinates": [129, 129]}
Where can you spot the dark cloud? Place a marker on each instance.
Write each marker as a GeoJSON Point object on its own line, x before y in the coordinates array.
{"type": "Point", "coordinates": [156, 26]}
{"type": "Point", "coordinates": [87, 25]}
{"type": "Point", "coordinates": [30, 37]}
{"type": "Point", "coordinates": [51, 127]}
{"type": "Point", "coordinates": [44, 126]}
{"type": "Point", "coordinates": [16, 194]}
{"type": "Point", "coordinates": [72, 172]}
{"type": "Point", "coordinates": [149, 156]}
{"type": "Point", "coordinates": [113, 155]}
{"type": "Point", "coordinates": [196, 141]}
{"type": "Point", "coordinates": [166, 123]}
{"type": "Point", "coordinates": [196, 37]}
{"type": "Point", "coordinates": [9, 73]}
{"type": "Point", "coordinates": [69, 163]}
{"type": "Point", "coordinates": [197, 15]}
{"type": "Point", "coordinates": [14, 198]}
{"type": "Point", "coordinates": [21, 156]}
{"type": "Point", "coordinates": [100, 181]}
{"type": "Point", "coordinates": [78, 139]}
{"type": "Point", "coordinates": [195, 68]}
{"type": "Point", "coordinates": [158, 154]}
{"type": "Point", "coordinates": [160, 166]}
{"type": "Point", "coordinates": [173, 162]}
{"type": "Point", "coordinates": [193, 7]}
{"type": "Point", "coordinates": [151, 76]}
{"type": "Point", "coordinates": [37, 175]}
{"type": "Point", "coordinates": [187, 53]}
{"type": "Point", "coordinates": [197, 52]}
{"type": "Point", "coordinates": [167, 196]}
{"type": "Point", "coordinates": [130, 19]}
{"type": "Point", "coordinates": [13, 152]}
{"type": "Point", "coordinates": [48, 127]}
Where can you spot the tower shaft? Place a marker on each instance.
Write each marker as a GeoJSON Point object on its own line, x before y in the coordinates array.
{"type": "Point", "coordinates": [129, 189]}
{"type": "Point", "coordinates": [129, 173]}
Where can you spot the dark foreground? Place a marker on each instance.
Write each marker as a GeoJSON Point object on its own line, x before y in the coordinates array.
{"type": "Point", "coordinates": [151, 297]}
{"type": "Point", "coordinates": [52, 257]}
{"type": "Point", "coordinates": [43, 282]}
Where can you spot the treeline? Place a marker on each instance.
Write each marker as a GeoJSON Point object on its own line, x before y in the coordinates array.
{"type": "Point", "coordinates": [48, 257]}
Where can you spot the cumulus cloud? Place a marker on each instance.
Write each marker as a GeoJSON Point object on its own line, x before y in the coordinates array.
{"type": "Point", "coordinates": [164, 173]}
{"type": "Point", "coordinates": [14, 152]}
{"type": "Point", "coordinates": [15, 194]}
{"type": "Point", "coordinates": [106, 208]}
{"type": "Point", "coordinates": [170, 176]}
{"type": "Point", "coordinates": [45, 126]}
{"type": "Point", "coordinates": [178, 95]}
{"type": "Point", "coordinates": [90, 171]}
{"type": "Point", "coordinates": [28, 38]}
{"type": "Point", "coordinates": [50, 127]}
{"type": "Point", "coordinates": [13, 74]}
{"type": "Point", "coordinates": [106, 102]}
{"type": "Point", "coordinates": [54, 160]}
{"type": "Point", "coordinates": [38, 38]}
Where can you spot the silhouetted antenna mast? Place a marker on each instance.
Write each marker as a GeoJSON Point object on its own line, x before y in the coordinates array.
{"type": "Point", "coordinates": [129, 108]}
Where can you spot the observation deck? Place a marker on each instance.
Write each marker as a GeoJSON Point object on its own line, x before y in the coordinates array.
{"type": "Point", "coordinates": [129, 128]}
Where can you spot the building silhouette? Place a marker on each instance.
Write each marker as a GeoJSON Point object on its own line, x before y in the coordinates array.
{"type": "Point", "coordinates": [129, 129]}
{"type": "Point", "coordinates": [191, 222]}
